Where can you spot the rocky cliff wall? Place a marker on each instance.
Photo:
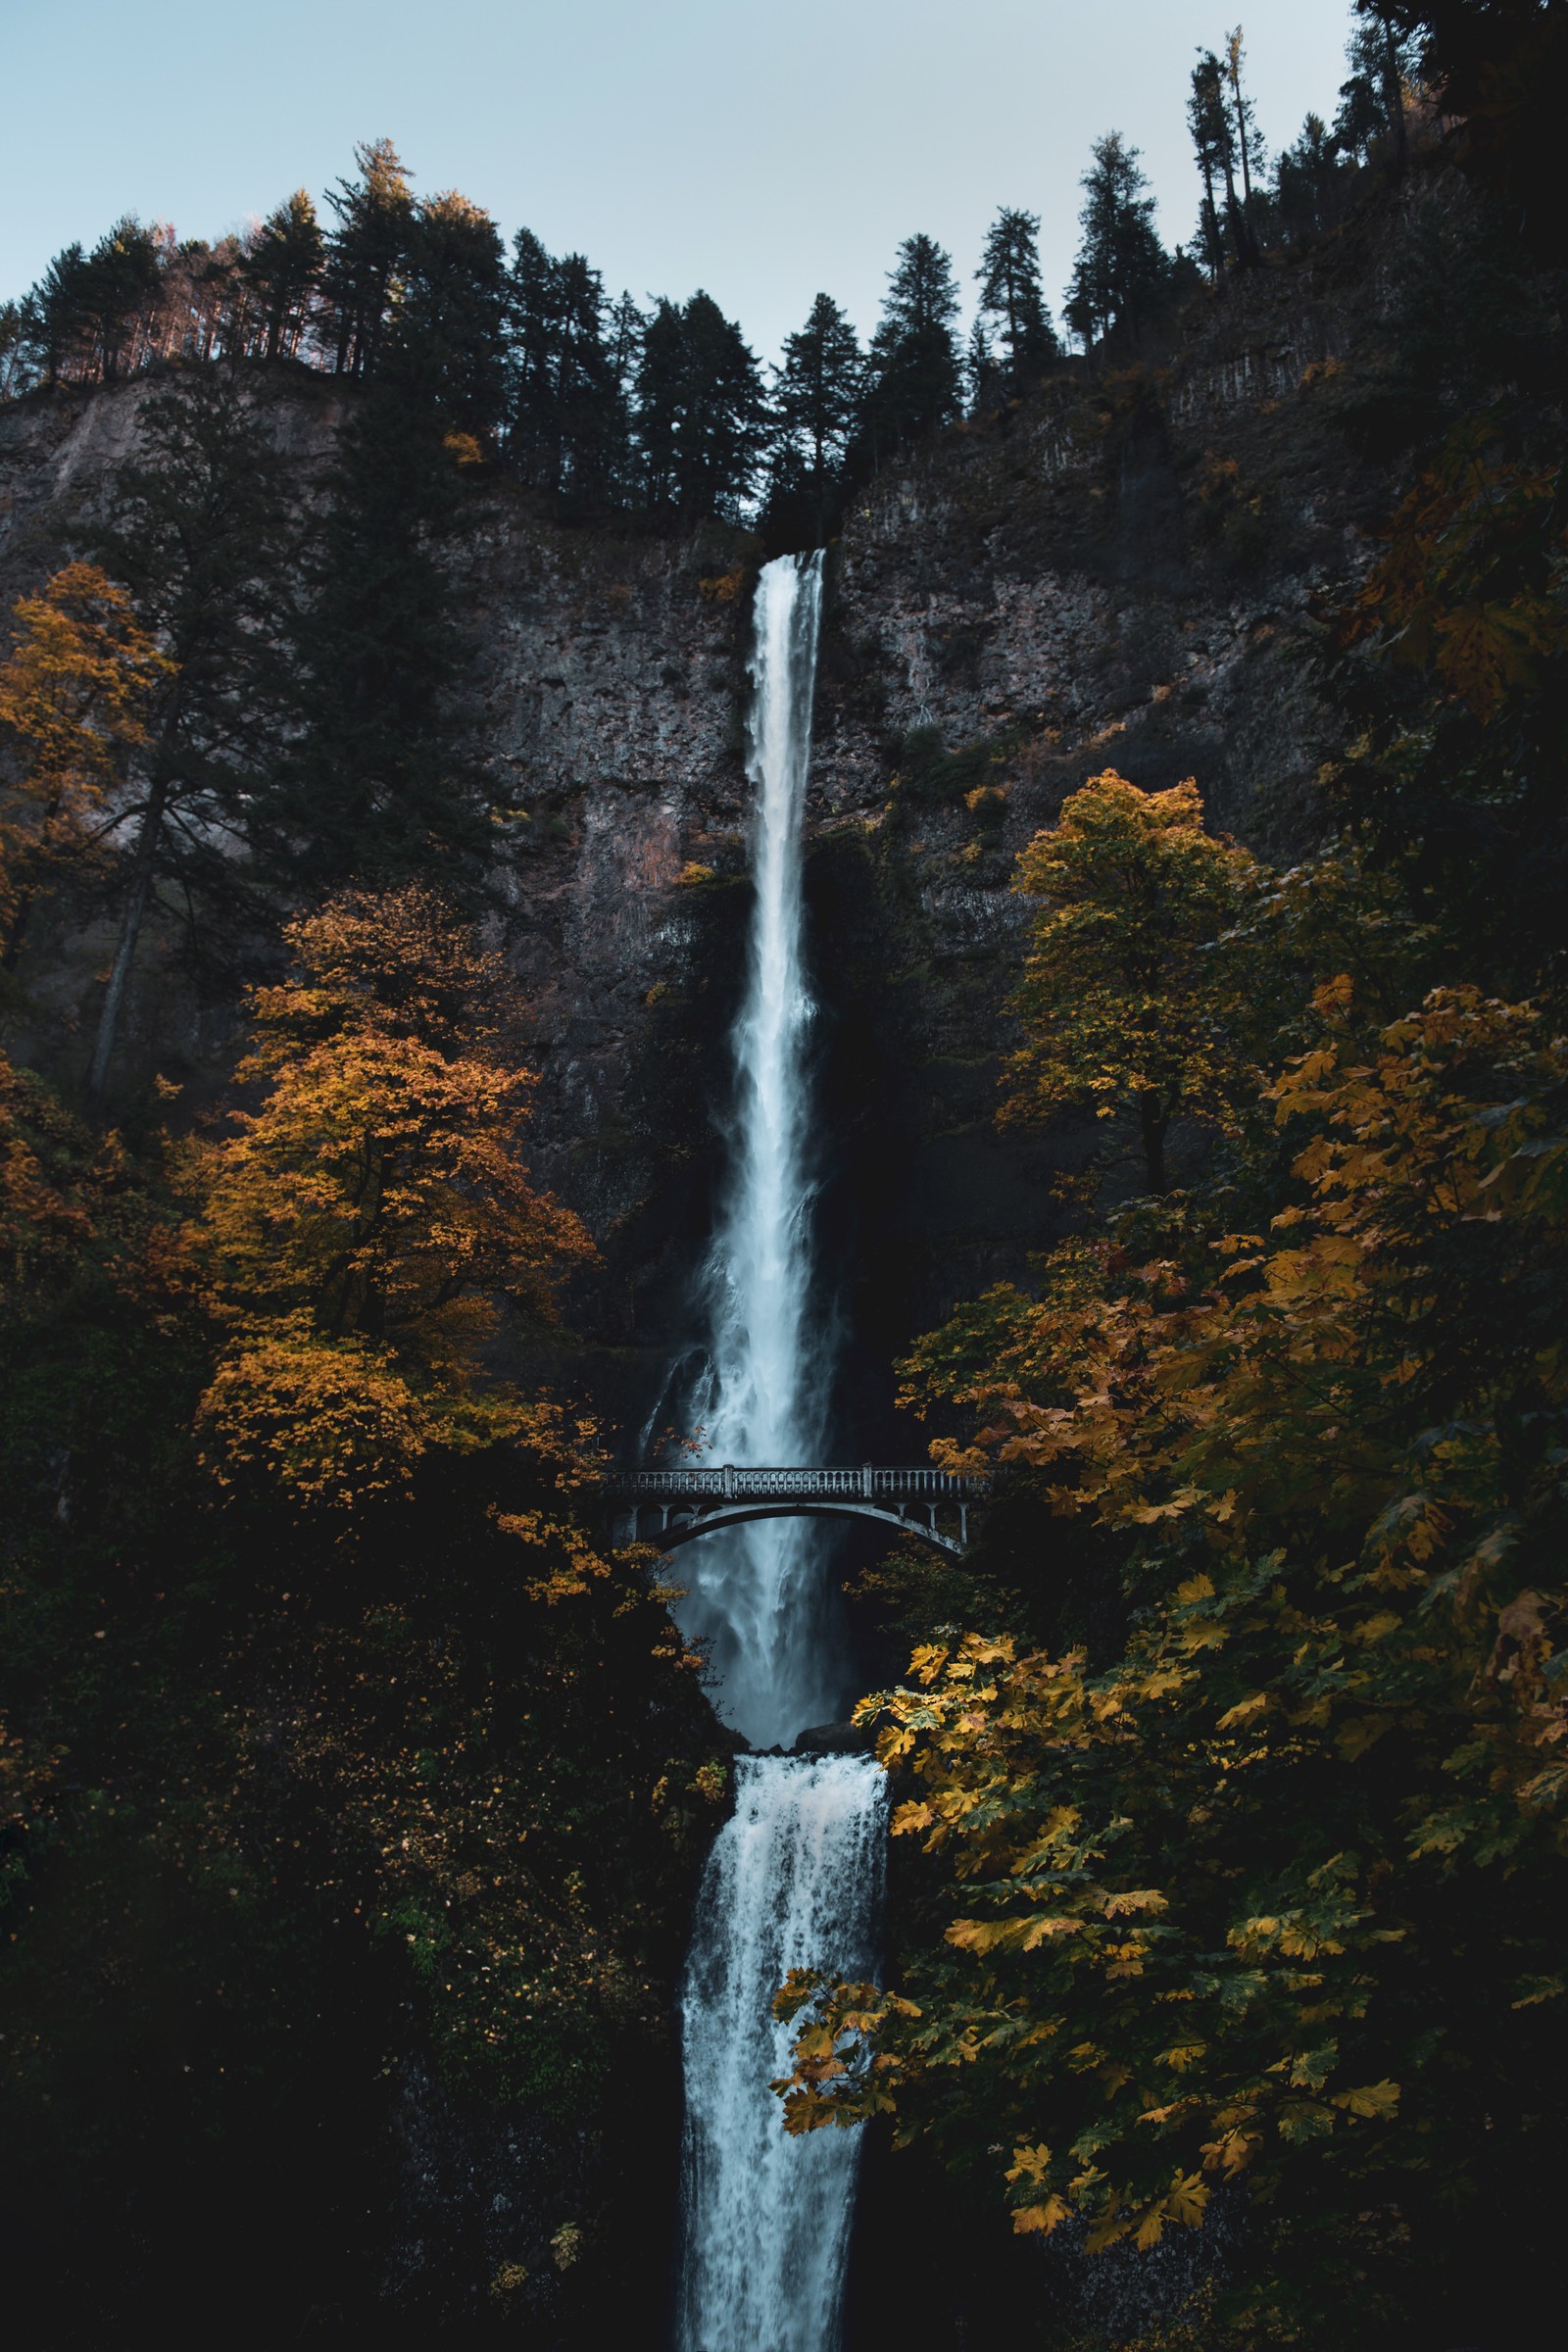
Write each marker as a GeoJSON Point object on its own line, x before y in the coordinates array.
{"type": "Point", "coordinates": [1123, 572]}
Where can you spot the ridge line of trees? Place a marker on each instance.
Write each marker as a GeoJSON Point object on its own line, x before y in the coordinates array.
{"type": "Point", "coordinates": [602, 405]}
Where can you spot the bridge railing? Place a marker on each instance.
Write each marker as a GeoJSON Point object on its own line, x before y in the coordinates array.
{"type": "Point", "coordinates": [732, 1483]}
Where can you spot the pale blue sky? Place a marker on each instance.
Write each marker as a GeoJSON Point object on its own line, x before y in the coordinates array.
{"type": "Point", "coordinates": [762, 152]}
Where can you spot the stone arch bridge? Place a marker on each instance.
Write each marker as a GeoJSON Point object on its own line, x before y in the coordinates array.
{"type": "Point", "coordinates": [668, 1507]}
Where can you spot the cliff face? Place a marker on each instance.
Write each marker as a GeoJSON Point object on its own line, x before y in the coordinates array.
{"type": "Point", "coordinates": [1122, 572]}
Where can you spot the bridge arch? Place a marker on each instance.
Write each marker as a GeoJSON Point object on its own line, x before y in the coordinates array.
{"type": "Point", "coordinates": [694, 1502]}
{"type": "Point", "coordinates": [741, 1514]}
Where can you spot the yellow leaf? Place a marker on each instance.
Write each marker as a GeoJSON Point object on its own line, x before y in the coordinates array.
{"type": "Point", "coordinates": [1043, 2218]}
{"type": "Point", "coordinates": [1374, 2100]}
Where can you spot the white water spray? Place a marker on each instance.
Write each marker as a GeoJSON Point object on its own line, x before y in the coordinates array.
{"type": "Point", "coordinates": [795, 1877]}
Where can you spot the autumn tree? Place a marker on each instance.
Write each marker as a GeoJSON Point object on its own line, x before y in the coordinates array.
{"type": "Point", "coordinates": [367, 1220]}
{"type": "Point", "coordinates": [75, 691]}
{"type": "Point", "coordinates": [1129, 994]}
{"type": "Point", "coordinates": [1266, 1902]}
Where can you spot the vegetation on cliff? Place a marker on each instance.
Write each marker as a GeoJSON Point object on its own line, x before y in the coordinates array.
{"type": "Point", "coordinates": [1239, 1789]}
{"type": "Point", "coordinates": [335, 1739]}
{"type": "Point", "coordinates": [337, 1745]}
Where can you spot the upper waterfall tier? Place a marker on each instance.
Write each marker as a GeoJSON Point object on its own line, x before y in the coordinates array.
{"type": "Point", "coordinates": [756, 1594]}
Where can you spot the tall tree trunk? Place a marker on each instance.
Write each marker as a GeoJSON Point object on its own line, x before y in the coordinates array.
{"type": "Point", "coordinates": [1211, 223]}
{"type": "Point", "coordinates": [1234, 68]}
{"type": "Point", "coordinates": [141, 885]}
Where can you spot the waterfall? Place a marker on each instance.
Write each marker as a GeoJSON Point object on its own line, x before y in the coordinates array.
{"type": "Point", "coordinates": [754, 1594]}
{"type": "Point", "coordinates": [794, 1876]}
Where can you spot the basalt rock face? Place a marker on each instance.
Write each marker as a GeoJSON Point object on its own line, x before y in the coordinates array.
{"type": "Point", "coordinates": [1122, 572]}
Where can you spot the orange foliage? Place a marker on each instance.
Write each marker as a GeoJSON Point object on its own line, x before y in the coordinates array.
{"type": "Point", "coordinates": [75, 696]}
{"type": "Point", "coordinates": [364, 1223]}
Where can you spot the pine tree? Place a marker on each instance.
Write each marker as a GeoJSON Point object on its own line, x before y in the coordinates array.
{"type": "Point", "coordinates": [590, 401]}
{"type": "Point", "coordinates": [1245, 138]}
{"type": "Point", "coordinates": [1385, 59]}
{"type": "Point", "coordinates": [1208, 119]}
{"type": "Point", "coordinates": [986, 382]}
{"type": "Point", "coordinates": [816, 396]}
{"type": "Point", "coordinates": [282, 271]}
{"type": "Point", "coordinates": [202, 538]}
{"type": "Point", "coordinates": [116, 290]}
{"type": "Point", "coordinates": [1012, 295]}
{"type": "Point", "coordinates": [449, 333]}
{"type": "Point", "coordinates": [915, 373]}
{"type": "Point", "coordinates": [366, 254]}
{"type": "Point", "coordinates": [1122, 270]}
{"type": "Point", "coordinates": [1306, 179]}
{"type": "Point", "coordinates": [701, 415]}
{"type": "Point", "coordinates": [567, 381]}
{"type": "Point", "coordinates": [377, 785]}
{"type": "Point", "coordinates": [56, 317]}
{"type": "Point", "coordinates": [531, 330]}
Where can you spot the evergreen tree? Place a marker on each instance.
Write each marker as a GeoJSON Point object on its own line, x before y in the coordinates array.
{"type": "Point", "coordinates": [117, 289]}
{"type": "Point", "coordinates": [377, 785]}
{"type": "Point", "coordinates": [56, 313]}
{"type": "Point", "coordinates": [532, 324]}
{"type": "Point", "coordinates": [449, 333]}
{"type": "Point", "coordinates": [1012, 295]}
{"type": "Point", "coordinates": [816, 396]}
{"type": "Point", "coordinates": [201, 536]}
{"type": "Point", "coordinates": [701, 415]}
{"type": "Point", "coordinates": [1208, 119]}
{"type": "Point", "coordinates": [365, 255]}
{"type": "Point", "coordinates": [1306, 180]}
{"type": "Point", "coordinates": [985, 380]}
{"type": "Point", "coordinates": [1122, 270]}
{"type": "Point", "coordinates": [1384, 59]}
{"type": "Point", "coordinates": [14, 342]}
{"type": "Point", "coordinates": [915, 373]}
{"type": "Point", "coordinates": [282, 271]}
{"type": "Point", "coordinates": [1245, 138]}
{"type": "Point", "coordinates": [566, 402]}
{"type": "Point", "coordinates": [590, 400]}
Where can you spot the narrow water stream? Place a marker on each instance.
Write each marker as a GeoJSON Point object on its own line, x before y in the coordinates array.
{"type": "Point", "coordinates": [796, 1875]}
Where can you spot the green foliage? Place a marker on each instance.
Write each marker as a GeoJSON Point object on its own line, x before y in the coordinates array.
{"type": "Point", "coordinates": [928, 773]}
{"type": "Point", "coordinates": [914, 370]}
{"type": "Point", "coordinates": [282, 267]}
{"type": "Point", "coordinates": [1122, 270]}
{"type": "Point", "coordinates": [377, 784]}
{"type": "Point", "coordinates": [700, 410]}
{"type": "Point", "coordinates": [1013, 298]}
{"type": "Point", "coordinates": [817, 398]}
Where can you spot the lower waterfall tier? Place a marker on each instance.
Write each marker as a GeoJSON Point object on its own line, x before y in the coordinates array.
{"type": "Point", "coordinates": [794, 1879]}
